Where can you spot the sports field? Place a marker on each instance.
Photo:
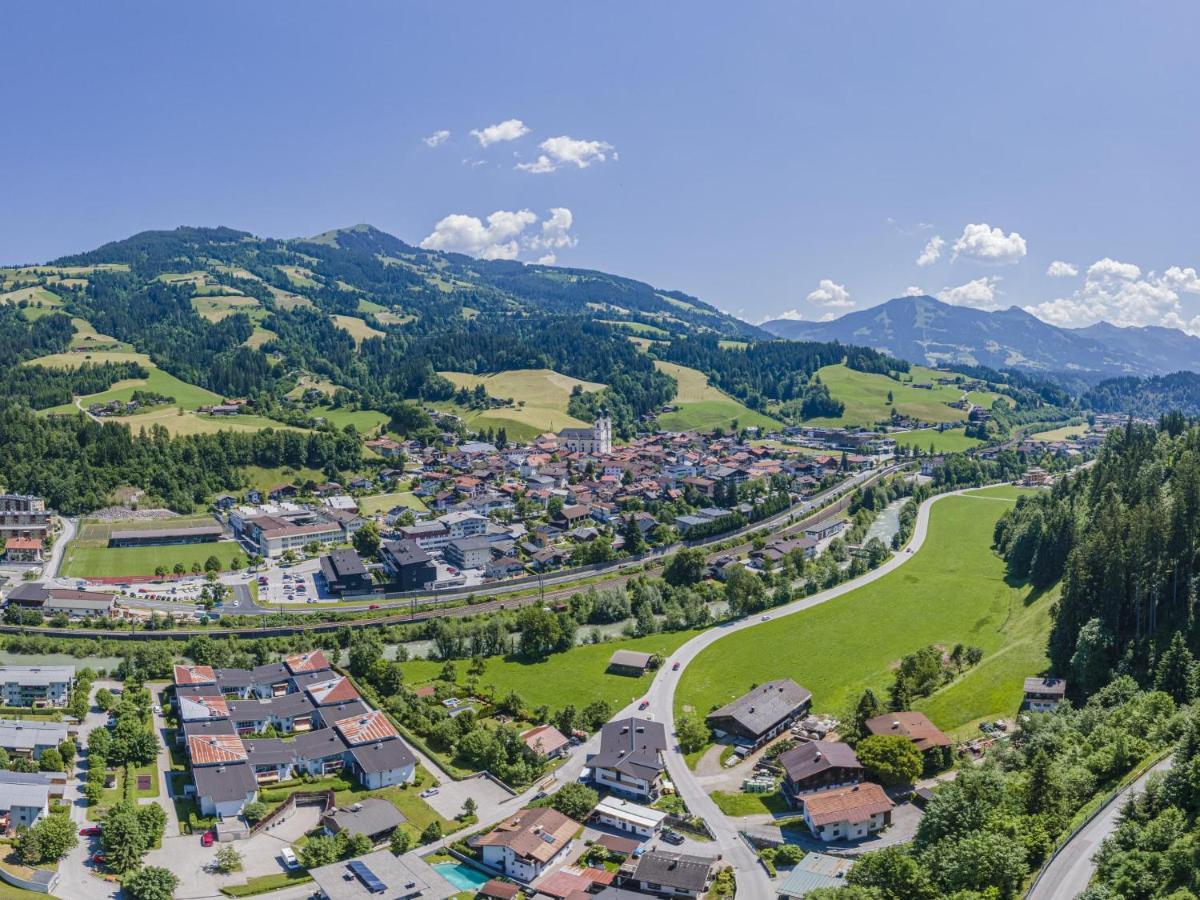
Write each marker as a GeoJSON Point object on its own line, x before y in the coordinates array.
{"type": "Point", "coordinates": [545, 394]}
{"type": "Point", "coordinates": [701, 407]}
{"type": "Point", "coordinates": [865, 396]}
{"type": "Point", "coordinates": [89, 556]}
{"type": "Point", "coordinates": [953, 591]}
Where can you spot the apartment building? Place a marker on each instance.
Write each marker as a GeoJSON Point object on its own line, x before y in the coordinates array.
{"type": "Point", "coordinates": [36, 685]}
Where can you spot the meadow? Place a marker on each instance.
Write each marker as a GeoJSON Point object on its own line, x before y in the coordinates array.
{"type": "Point", "coordinates": [953, 591]}
{"type": "Point", "coordinates": [865, 396]}
{"type": "Point", "coordinates": [545, 393]}
{"type": "Point", "coordinates": [381, 503]}
{"type": "Point", "coordinates": [952, 440]}
{"type": "Point", "coordinates": [700, 406]}
{"type": "Point", "coordinates": [358, 328]}
{"type": "Point", "coordinates": [1065, 433]}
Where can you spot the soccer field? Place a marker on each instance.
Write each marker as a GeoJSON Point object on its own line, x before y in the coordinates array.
{"type": "Point", "coordinates": [92, 559]}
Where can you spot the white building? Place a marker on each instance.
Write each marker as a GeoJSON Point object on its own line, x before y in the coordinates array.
{"type": "Point", "coordinates": [848, 813]}
{"type": "Point", "coordinates": [527, 843]}
{"type": "Point", "coordinates": [625, 815]}
{"type": "Point", "coordinates": [463, 524]}
{"type": "Point", "coordinates": [24, 799]}
{"type": "Point", "coordinates": [36, 685]}
{"type": "Point", "coordinates": [594, 441]}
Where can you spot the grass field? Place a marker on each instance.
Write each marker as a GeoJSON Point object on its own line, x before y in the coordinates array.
{"type": "Point", "coordinates": [288, 300]}
{"type": "Point", "coordinates": [1066, 433]}
{"type": "Point", "coordinates": [358, 329]}
{"type": "Point", "coordinates": [865, 396]}
{"type": "Point", "coordinates": [953, 591]}
{"type": "Point", "coordinates": [87, 336]}
{"type": "Point", "coordinates": [952, 440]}
{"type": "Point", "coordinates": [381, 503]}
{"type": "Point", "coordinates": [578, 676]}
{"type": "Point", "coordinates": [701, 407]}
{"type": "Point", "coordinates": [299, 276]}
{"type": "Point", "coordinates": [259, 336]}
{"type": "Point", "coordinates": [75, 360]}
{"type": "Point", "coordinates": [639, 328]}
{"type": "Point", "coordinates": [36, 296]}
{"type": "Point", "coordinates": [544, 392]}
{"type": "Point", "coordinates": [265, 478]}
{"type": "Point", "coordinates": [92, 530]}
{"type": "Point", "coordinates": [92, 559]}
{"type": "Point", "coordinates": [216, 307]}
{"type": "Point", "coordinates": [365, 420]}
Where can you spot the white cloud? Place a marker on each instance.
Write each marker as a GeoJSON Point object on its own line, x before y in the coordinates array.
{"type": "Point", "coordinates": [467, 234]}
{"type": "Point", "coordinates": [913, 291]}
{"type": "Point", "coordinates": [438, 137]}
{"type": "Point", "coordinates": [792, 315]}
{"type": "Point", "coordinates": [563, 151]}
{"type": "Point", "coordinates": [556, 231]}
{"type": "Point", "coordinates": [933, 249]}
{"type": "Point", "coordinates": [979, 294]}
{"type": "Point", "coordinates": [983, 243]}
{"type": "Point", "coordinates": [1060, 269]}
{"type": "Point", "coordinates": [508, 130]}
{"type": "Point", "coordinates": [830, 294]}
{"type": "Point", "coordinates": [504, 234]}
{"type": "Point", "coordinates": [1117, 292]}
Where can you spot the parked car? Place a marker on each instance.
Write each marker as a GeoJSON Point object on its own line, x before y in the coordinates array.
{"type": "Point", "coordinates": [373, 606]}
{"type": "Point", "coordinates": [429, 792]}
{"type": "Point", "coordinates": [90, 831]}
{"type": "Point", "coordinates": [675, 668]}
{"type": "Point", "coordinates": [289, 858]}
{"type": "Point", "coordinates": [206, 839]}
{"type": "Point", "coordinates": [672, 837]}
{"type": "Point", "coordinates": [644, 704]}
{"type": "Point", "coordinates": [99, 858]}
{"type": "Point", "coordinates": [540, 795]}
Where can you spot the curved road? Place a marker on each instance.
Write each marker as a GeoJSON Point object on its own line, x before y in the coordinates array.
{"type": "Point", "coordinates": [1071, 869]}
{"type": "Point", "coordinates": [752, 879]}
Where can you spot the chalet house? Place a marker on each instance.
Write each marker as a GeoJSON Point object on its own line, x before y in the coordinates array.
{"type": "Point", "coordinates": [761, 713]}
{"type": "Point", "coordinates": [527, 843]}
{"type": "Point", "coordinates": [1044, 694]}
{"type": "Point", "coordinates": [546, 741]}
{"type": "Point", "coordinates": [848, 813]}
{"type": "Point", "coordinates": [913, 725]}
{"type": "Point", "coordinates": [818, 766]}
{"type": "Point", "coordinates": [664, 874]}
{"type": "Point", "coordinates": [630, 761]}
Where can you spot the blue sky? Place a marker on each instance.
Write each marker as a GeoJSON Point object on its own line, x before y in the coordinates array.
{"type": "Point", "coordinates": [770, 158]}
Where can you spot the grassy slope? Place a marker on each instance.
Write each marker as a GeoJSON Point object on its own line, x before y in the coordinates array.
{"type": "Point", "coordinates": [865, 396]}
{"type": "Point", "coordinates": [358, 328]}
{"type": "Point", "coordinates": [702, 407]}
{"type": "Point", "coordinates": [953, 591]}
{"type": "Point", "coordinates": [545, 392]}
{"type": "Point", "coordinates": [1060, 434]}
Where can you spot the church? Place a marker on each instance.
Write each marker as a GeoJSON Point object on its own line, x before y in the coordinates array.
{"type": "Point", "coordinates": [594, 441]}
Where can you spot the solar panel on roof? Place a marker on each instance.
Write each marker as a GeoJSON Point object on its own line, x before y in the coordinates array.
{"type": "Point", "coordinates": [366, 876]}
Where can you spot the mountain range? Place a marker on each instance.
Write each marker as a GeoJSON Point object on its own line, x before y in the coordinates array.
{"type": "Point", "coordinates": [926, 330]}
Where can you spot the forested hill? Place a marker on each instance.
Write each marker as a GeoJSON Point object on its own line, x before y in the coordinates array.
{"type": "Point", "coordinates": [1147, 396]}
{"type": "Point", "coordinates": [1124, 537]}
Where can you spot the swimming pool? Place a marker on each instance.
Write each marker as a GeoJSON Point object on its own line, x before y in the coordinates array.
{"type": "Point", "coordinates": [462, 876]}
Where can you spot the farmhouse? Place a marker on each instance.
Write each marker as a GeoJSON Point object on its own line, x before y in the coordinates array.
{"type": "Point", "coordinates": [913, 725]}
{"type": "Point", "coordinates": [526, 844]}
{"type": "Point", "coordinates": [848, 813]}
{"type": "Point", "coordinates": [761, 713]}
{"type": "Point", "coordinates": [665, 874]}
{"type": "Point", "coordinates": [630, 760]}
{"type": "Point", "coordinates": [629, 662]}
{"type": "Point", "coordinates": [817, 766]}
{"type": "Point", "coordinates": [1044, 694]}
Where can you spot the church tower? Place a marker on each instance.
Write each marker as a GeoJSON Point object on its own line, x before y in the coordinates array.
{"type": "Point", "coordinates": [602, 433]}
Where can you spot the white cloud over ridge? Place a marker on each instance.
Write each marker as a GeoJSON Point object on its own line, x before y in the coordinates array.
{"type": "Point", "coordinates": [932, 251]}
{"type": "Point", "coordinates": [508, 130]}
{"type": "Point", "coordinates": [1118, 292]}
{"type": "Point", "coordinates": [503, 234]}
{"type": "Point", "coordinates": [830, 294]}
{"type": "Point", "coordinates": [566, 151]}
{"type": "Point", "coordinates": [978, 294]}
{"type": "Point", "coordinates": [986, 244]}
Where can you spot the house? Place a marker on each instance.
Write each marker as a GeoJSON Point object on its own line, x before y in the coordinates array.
{"type": "Point", "coordinates": [23, 516]}
{"type": "Point", "coordinates": [22, 549]}
{"type": "Point", "coordinates": [409, 563]}
{"type": "Point", "coordinates": [815, 870]}
{"type": "Point", "coordinates": [1044, 694]}
{"type": "Point", "coordinates": [913, 725]}
{"type": "Point", "coordinates": [625, 815]}
{"type": "Point", "coordinates": [372, 816]}
{"type": "Point", "coordinates": [524, 845]}
{"type": "Point", "coordinates": [50, 601]}
{"type": "Point", "coordinates": [666, 874]}
{"type": "Point", "coordinates": [379, 875]}
{"type": "Point", "coordinates": [427, 535]}
{"type": "Point", "coordinates": [630, 760]}
{"type": "Point", "coordinates": [546, 741]}
{"type": "Point", "coordinates": [817, 766]}
{"type": "Point", "coordinates": [30, 738]}
{"type": "Point", "coordinates": [824, 529]}
{"type": "Point", "coordinates": [504, 567]}
{"type": "Point", "coordinates": [469, 553]}
{"type": "Point", "coordinates": [498, 890]}
{"type": "Point", "coordinates": [24, 799]}
{"type": "Point", "coordinates": [463, 524]}
{"type": "Point", "coordinates": [629, 662]}
{"type": "Point", "coordinates": [848, 813]}
{"type": "Point", "coordinates": [761, 713]}
{"type": "Point", "coordinates": [36, 685]}
{"type": "Point", "coordinates": [344, 572]}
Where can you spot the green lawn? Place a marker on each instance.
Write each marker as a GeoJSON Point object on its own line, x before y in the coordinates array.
{"type": "Point", "coordinates": [865, 396]}
{"type": "Point", "coordinates": [952, 440]}
{"type": "Point", "coordinates": [746, 804]}
{"type": "Point", "coordinates": [578, 676]}
{"type": "Point", "coordinates": [1065, 433]}
{"type": "Point", "coordinates": [701, 407]}
{"type": "Point", "coordinates": [261, 884]}
{"type": "Point", "coordinates": [264, 478]}
{"type": "Point", "coordinates": [381, 503]}
{"type": "Point", "coordinates": [544, 394]}
{"type": "Point", "coordinates": [953, 591]}
{"type": "Point", "coordinates": [91, 559]}
{"type": "Point", "coordinates": [364, 420]}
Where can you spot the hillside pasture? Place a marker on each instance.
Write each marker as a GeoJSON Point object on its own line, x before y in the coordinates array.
{"type": "Point", "coordinates": [865, 396]}
{"type": "Point", "coordinates": [544, 393]}
{"type": "Point", "coordinates": [952, 440]}
{"type": "Point", "coordinates": [216, 307]}
{"type": "Point", "coordinates": [701, 407]}
{"type": "Point", "coordinates": [953, 591]}
{"type": "Point", "coordinates": [357, 328]}
{"type": "Point", "coordinates": [36, 297]}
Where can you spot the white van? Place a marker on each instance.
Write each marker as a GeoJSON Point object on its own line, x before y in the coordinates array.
{"type": "Point", "coordinates": [289, 858]}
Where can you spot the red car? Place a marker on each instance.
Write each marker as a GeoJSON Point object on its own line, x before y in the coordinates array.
{"type": "Point", "coordinates": [206, 839]}
{"type": "Point", "coordinates": [675, 668]}
{"type": "Point", "coordinates": [99, 858]}
{"type": "Point", "coordinates": [374, 606]}
{"type": "Point", "coordinates": [90, 831]}
{"type": "Point", "coordinates": [643, 704]}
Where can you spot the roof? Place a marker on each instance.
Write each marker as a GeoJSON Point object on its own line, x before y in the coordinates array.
{"type": "Point", "coordinates": [563, 884]}
{"type": "Point", "coordinates": [633, 746]}
{"type": "Point", "coordinates": [762, 707]}
{"type": "Point", "coordinates": [212, 749]}
{"type": "Point", "coordinates": [307, 662]}
{"type": "Point", "coordinates": [856, 803]}
{"type": "Point", "coordinates": [224, 783]}
{"type": "Point", "coordinates": [37, 675]}
{"type": "Point", "coordinates": [532, 833]}
{"type": "Point", "coordinates": [195, 675]}
{"type": "Point", "coordinates": [811, 758]}
{"type": "Point", "coordinates": [374, 726]}
{"type": "Point", "coordinates": [384, 756]}
{"type": "Point", "coordinates": [1053, 686]}
{"type": "Point", "coordinates": [630, 659]}
{"type": "Point", "coordinates": [340, 881]}
{"type": "Point", "coordinates": [284, 706]}
{"type": "Point", "coordinates": [198, 708]}
{"type": "Point", "coordinates": [816, 870]}
{"type": "Point", "coordinates": [335, 690]}
{"type": "Point", "coordinates": [544, 739]}
{"type": "Point", "coordinates": [371, 817]}
{"type": "Point", "coordinates": [269, 752]}
{"type": "Point", "coordinates": [19, 543]}
{"type": "Point", "coordinates": [617, 844]}
{"type": "Point", "coordinates": [677, 870]}
{"type": "Point", "coordinates": [25, 734]}
{"type": "Point", "coordinates": [500, 890]}
{"type": "Point", "coordinates": [406, 553]}
{"type": "Point", "coordinates": [630, 812]}
{"type": "Point", "coordinates": [24, 789]}
{"type": "Point", "coordinates": [913, 725]}
{"type": "Point", "coordinates": [154, 534]}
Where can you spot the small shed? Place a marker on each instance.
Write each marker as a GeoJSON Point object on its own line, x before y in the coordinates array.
{"type": "Point", "coordinates": [629, 662]}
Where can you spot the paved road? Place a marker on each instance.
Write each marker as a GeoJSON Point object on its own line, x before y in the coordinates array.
{"type": "Point", "coordinates": [54, 560]}
{"type": "Point", "coordinates": [1069, 873]}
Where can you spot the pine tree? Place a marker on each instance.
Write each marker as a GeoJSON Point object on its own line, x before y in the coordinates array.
{"type": "Point", "coordinates": [1176, 673]}
{"type": "Point", "coordinates": [868, 708]}
{"type": "Point", "coordinates": [898, 697]}
{"type": "Point", "coordinates": [1041, 792]}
